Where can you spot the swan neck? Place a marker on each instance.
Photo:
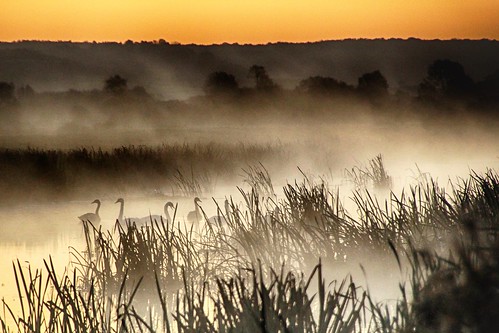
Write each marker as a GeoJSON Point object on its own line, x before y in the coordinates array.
{"type": "Point", "coordinates": [122, 208]}
{"type": "Point", "coordinates": [97, 209]}
{"type": "Point", "coordinates": [167, 214]}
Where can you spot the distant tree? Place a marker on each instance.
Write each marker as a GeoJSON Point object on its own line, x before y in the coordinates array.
{"type": "Point", "coordinates": [320, 85]}
{"type": "Point", "coordinates": [488, 88]}
{"type": "Point", "coordinates": [25, 91]}
{"type": "Point", "coordinates": [7, 93]}
{"type": "Point", "coordinates": [445, 79]}
{"type": "Point", "coordinates": [221, 84]}
{"type": "Point", "coordinates": [373, 84]}
{"type": "Point", "coordinates": [140, 91]}
{"type": "Point", "coordinates": [116, 85]}
{"type": "Point", "coordinates": [262, 80]}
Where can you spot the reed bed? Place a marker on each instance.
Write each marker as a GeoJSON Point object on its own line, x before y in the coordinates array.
{"type": "Point", "coordinates": [35, 175]}
{"type": "Point", "coordinates": [262, 266]}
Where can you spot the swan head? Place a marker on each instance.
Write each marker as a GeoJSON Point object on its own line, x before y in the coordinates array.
{"type": "Point", "coordinates": [197, 201]}
{"type": "Point", "coordinates": [169, 204]}
{"type": "Point", "coordinates": [96, 201]}
{"type": "Point", "coordinates": [120, 200]}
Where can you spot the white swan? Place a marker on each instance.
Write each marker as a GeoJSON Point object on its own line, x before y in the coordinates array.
{"type": "Point", "coordinates": [221, 218]}
{"type": "Point", "coordinates": [151, 218]}
{"type": "Point", "coordinates": [94, 218]}
{"type": "Point", "coordinates": [169, 204]}
{"type": "Point", "coordinates": [122, 209]}
{"type": "Point", "coordinates": [195, 216]}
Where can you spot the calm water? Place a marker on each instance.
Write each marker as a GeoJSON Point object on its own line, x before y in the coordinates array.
{"type": "Point", "coordinates": [32, 233]}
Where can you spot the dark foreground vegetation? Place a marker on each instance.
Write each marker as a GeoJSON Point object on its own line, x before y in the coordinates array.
{"type": "Point", "coordinates": [267, 265]}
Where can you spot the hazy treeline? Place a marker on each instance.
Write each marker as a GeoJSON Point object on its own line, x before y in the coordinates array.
{"type": "Point", "coordinates": [115, 104]}
{"type": "Point", "coordinates": [411, 67]}
{"type": "Point", "coordinates": [175, 71]}
{"type": "Point", "coordinates": [53, 88]}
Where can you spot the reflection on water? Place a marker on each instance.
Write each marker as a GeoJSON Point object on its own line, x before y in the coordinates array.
{"type": "Point", "coordinates": [31, 234]}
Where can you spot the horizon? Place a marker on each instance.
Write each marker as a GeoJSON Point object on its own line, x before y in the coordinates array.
{"type": "Point", "coordinates": [159, 41]}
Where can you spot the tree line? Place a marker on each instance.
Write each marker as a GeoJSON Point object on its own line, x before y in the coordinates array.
{"type": "Point", "coordinates": [445, 82]}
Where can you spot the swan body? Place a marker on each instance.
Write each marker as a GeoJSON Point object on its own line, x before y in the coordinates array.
{"type": "Point", "coordinates": [157, 218]}
{"type": "Point", "coordinates": [221, 218]}
{"type": "Point", "coordinates": [120, 218]}
{"type": "Point", "coordinates": [195, 216]}
{"type": "Point", "coordinates": [146, 219]}
{"type": "Point", "coordinates": [93, 218]}
{"type": "Point", "coordinates": [216, 219]}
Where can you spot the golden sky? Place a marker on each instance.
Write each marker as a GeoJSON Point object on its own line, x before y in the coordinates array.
{"type": "Point", "coordinates": [246, 21]}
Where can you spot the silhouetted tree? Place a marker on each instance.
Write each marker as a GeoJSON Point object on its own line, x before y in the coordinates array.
{"type": "Point", "coordinates": [140, 91]}
{"type": "Point", "coordinates": [116, 85]}
{"type": "Point", "coordinates": [7, 93]}
{"type": "Point", "coordinates": [25, 91]}
{"type": "Point", "coordinates": [445, 79]}
{"type": "Point", "coordinates": [488, 89]}
{"type": "Point", "coordinates": [262, 80]}
{"type": "Point", "coordinates": [320, 85]}
{"type": "Point", "coordinates": [221, 84]}
{"type": "Point", "coordinates": [373, 85]}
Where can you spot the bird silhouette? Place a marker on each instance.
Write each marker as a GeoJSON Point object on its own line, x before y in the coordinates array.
{"type": "Point", "coordinates": [195, 216]}
{"type": "Point", "coordinates": [221, 217]}
{"type": "Point", "coordinates": [169, 204]}
{"type": "Point", "coordinates": [94, 218]}
{"type": "Point", "coordinates": [151, 218]}
{"type": "Point", "coordinates": [122, 209]}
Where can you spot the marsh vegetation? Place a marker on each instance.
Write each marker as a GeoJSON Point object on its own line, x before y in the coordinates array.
{"type": "Point", "coordinates": [275, 264]}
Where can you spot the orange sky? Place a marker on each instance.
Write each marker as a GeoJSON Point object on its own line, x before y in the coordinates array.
{"type": "Point", "coordinates": [246, 21]}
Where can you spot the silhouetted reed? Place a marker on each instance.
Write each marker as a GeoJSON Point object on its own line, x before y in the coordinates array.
{"type": "Point", "coordinates": [374, 175]}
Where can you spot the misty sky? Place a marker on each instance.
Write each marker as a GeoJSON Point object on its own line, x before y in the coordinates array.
{"type": "Point", "coordinates": [242, 21]}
